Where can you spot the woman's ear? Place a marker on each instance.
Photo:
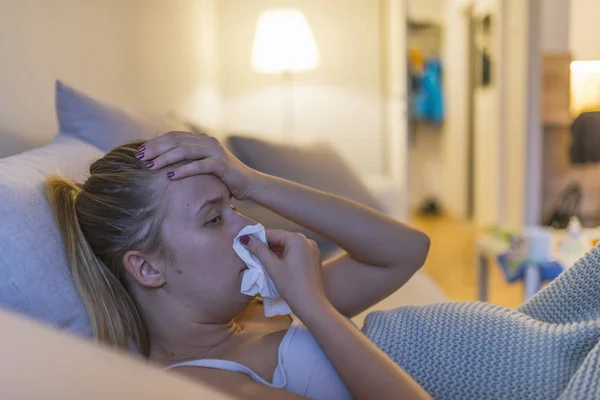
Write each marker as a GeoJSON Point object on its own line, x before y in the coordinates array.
{"type": "Point", "coordinates": [139, 267]}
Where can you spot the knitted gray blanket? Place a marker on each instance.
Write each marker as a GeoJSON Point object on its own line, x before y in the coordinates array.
{"type": "Point", "coordinates": [548, 348]}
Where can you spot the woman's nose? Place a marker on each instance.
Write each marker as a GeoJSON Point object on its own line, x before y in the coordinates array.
{"type": "Point", "coordinates": [243, 221]}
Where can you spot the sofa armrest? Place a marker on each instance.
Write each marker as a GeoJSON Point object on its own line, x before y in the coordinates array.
{"type": "Point", "coordinates": [388, 193]}
{"type": "Point", "coordinates": [419, 290]}
{"type": "Point", "coordinates": [40, 362]}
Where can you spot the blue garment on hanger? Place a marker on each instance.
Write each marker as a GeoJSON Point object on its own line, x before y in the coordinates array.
{"type": "Point", "coordinates": [429, 99]}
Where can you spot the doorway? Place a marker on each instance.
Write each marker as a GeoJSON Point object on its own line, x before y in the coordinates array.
{"type": "Point", "coordinates": [426, 111]}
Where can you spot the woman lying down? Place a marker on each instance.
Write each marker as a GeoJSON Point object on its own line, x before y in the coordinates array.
{"type": "Point", "coordinates": [161, 258]}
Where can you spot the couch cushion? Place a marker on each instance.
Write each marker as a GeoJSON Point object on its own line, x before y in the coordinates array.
{"type": "Point", "coordinates": [34, 275]}
{"type": "Point", "coordinates": [103, 125]}
{"type": "Point", "coordinates": [316, 165]}
{"type": "Point", "coordinates": [419, 290]}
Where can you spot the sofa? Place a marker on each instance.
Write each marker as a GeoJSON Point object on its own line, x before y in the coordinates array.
{"type": "Point", "coordinates": [34, 277]}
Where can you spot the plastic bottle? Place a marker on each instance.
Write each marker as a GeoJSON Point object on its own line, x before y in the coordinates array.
{"type": "Point", "coordinates": [573, 246]}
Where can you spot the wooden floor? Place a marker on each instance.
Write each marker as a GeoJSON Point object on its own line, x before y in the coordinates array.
{"type": "Point", "coordinates": [451, 262]}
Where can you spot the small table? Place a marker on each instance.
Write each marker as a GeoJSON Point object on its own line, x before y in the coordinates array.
{"type": "Point", "coordinates": [491, 247]}
{"type": "Point", "coordinates": [487, 247]}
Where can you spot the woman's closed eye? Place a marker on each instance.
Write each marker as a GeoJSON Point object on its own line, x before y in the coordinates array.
{"type": "Point", "coordinates": [214, 221]}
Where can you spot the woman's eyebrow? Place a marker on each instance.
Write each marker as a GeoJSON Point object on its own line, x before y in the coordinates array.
{"type": "Point", "coordinates": [214, 200]}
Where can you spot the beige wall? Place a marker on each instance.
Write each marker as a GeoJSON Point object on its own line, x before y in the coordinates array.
{"type": "Point", "coordinates": [340, 101]}
{"type": "Point", "coordinates": [139, 54]}
{"type": "Point", "coordinates": [192, 57]}
{"type": "Point", "coordinates": [584, 29]}
{"type": "Point", "coordinates": [427, 10]}
{"type": "Point", "coordinates": [177, 59]}
{"type": "Point", "coordinates": [554, 16]}
{"type": "Point", "coordinates": [84, 43]}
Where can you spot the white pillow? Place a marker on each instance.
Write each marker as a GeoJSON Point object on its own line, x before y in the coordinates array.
{"type": "Point", "coordinates": [34, 275]}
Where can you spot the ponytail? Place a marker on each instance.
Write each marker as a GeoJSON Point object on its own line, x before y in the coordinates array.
{"type": "Point", "coordinates": [113, 314]}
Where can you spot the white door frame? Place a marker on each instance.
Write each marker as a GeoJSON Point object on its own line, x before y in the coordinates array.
{"type": "Point", "coordinates": [395, 98]}
{"type": "Point", "coordinates": [518, 173]}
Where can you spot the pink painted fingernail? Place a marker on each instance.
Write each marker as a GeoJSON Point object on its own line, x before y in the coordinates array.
{"type": "Point", "coordinates": [150, 164]}
{"type": "Point", "coordinates": [245, 240]}
{"type": "Point", "coordinates": [139, 156]}
{"type": "Point", "coordinates": [171, 174]}
{"type": "Point", "coordinates": [142, 147]}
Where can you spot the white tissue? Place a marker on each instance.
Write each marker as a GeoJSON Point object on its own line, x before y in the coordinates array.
{"type": "Point", "coordinates": [255, 279]}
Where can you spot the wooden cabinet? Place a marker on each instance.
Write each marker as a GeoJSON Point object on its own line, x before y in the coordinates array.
{"type": "Point", "coordinates": [556, 83]}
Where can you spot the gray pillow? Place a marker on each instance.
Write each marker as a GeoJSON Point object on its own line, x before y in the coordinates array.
{"type": "Point", "coordinates": [102, 125]}
{"type": "Point", "coordinates": [317, 166]}
{"type": "Point", "coordinates": [34, 275]}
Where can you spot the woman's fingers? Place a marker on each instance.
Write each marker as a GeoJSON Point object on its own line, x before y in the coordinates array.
{"type": "Point", "coordinates": [175, 147]}
{"type": "Point", "coordinates": [277, 239]}
{"type": "Point", "coordinates": [279, 251]}
{"type": "Point", "coordinates": [193, 145]}
{"type": "Point", "coordinates": [213, 166]}
{"type": "Point", "coordinates": [183, 153]}
{"type": "Point", "coordinates": [280, 238]}
{"type": "Point", "coordinates": [163, 143]}
{"type": "Point", "coordinates": [268, 259]}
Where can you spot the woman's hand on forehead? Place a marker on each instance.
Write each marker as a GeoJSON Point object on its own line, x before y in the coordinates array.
{"type": "Point", "coordinates": [183, 154]}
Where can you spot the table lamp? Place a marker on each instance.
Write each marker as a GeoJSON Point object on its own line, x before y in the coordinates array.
{"type": "Point", "coordinates": [284, 44]}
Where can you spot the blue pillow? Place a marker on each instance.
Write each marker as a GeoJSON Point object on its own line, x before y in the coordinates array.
{"type": "Point", "coordinates": [97, 123]}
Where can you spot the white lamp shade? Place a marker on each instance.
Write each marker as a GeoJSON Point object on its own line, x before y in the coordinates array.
{"type": "Point", "coordinates": [284, 42]}
{"type": "Point", "coordinates": [585, 86]}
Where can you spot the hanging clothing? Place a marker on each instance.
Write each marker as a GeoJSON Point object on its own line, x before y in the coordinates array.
{"type": "Point", "coordinates": [429, 99]}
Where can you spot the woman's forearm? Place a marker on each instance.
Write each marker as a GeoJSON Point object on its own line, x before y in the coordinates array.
{"type": "Point", "coordinates": [365, 369]}
{"type": "Point", "coordinates": [367, 235]}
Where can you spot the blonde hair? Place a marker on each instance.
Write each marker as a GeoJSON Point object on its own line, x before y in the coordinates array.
{"type": "Point", "coordinates": [115, 210]}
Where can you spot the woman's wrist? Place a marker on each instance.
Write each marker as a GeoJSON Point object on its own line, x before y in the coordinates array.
{"type": "Point", "coordinates": [257, 185]}
{"type": "Point", "coordinates": [311, 310]}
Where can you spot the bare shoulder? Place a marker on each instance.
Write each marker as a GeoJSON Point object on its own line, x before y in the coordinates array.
{"type": "Point", "coordinates": [235, 384]}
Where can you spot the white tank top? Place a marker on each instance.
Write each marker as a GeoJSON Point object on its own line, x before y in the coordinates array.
{"type": "Point", "coordinates": [302, 368]}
